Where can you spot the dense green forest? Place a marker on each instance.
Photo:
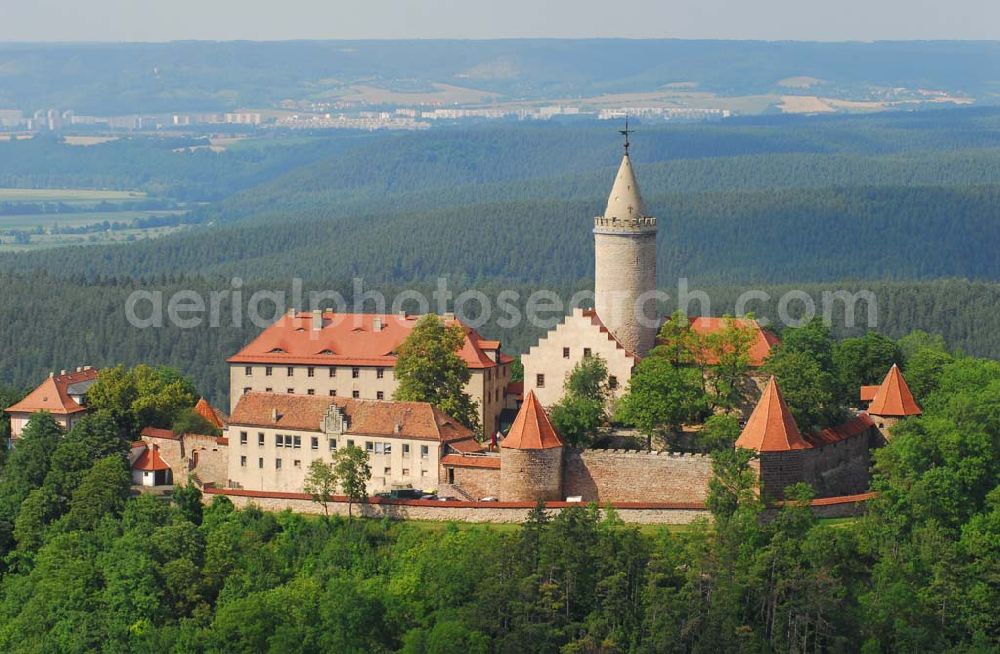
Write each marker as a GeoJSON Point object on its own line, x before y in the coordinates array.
{"type": "Point", "coordinates": [904, 204]}
{"type": "Point", "coordinates": [87, 568]}
{"type": "Point", "coordinates": [109, 78]}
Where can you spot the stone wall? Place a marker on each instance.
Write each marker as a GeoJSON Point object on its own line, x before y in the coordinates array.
{"type": "Point", "coordinates": [206, 458]}
{"type": "Point", "coordinates": [841, 468]}
{"type": "Point", "coordinates": [477, 483]}
{"type": "Point", "coordinates": [778, 470]}
{"type": "Point", "coordinates": [630, 476]}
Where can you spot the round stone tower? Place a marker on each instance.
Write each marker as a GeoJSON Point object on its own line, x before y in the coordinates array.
{"type": "Point", "coordinates": [531, 457]}
{"type": "Point", "coordinates": [625, 263]}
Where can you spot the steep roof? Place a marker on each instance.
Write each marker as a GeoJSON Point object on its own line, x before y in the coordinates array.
{"type": "Point", "coordinates": [771, 427]}
{"type": "Point", "coordinates": [760, 347]}
{"type": "Point", "coordinates": [867, 393]}
{"type": "Point", "coordinates": [532, 429]}
{"type": "Point", "coordinates": [150, 460]}
{"type": "Point", "coordinates": [360, 339]}
{"type": "Point", "coordinates": [625, 200]}
{"type": "Point", "coordinates": [212, 415]}
{"type": "Point", "coordinates": [597, 322]}
{"type": "Point", "coordinates": [856, 426]}
{"type": "Point", "coordinates": [417, 420]}
{"type": "Point", "coordinates": [893, 397]}
{"type": "Point", "coordinates": [56, 393]}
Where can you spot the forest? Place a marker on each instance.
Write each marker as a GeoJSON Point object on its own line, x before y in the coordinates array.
{"type": "Point", "coordinates": [904, 205]}
{"type": "Point", "coordinates": [85, 567]}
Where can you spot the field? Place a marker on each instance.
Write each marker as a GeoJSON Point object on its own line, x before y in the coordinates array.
{"type": "Point", "coordinates": [74, 219]}
{"type": "Point", "coordinates": [67, 195]}
{"type": "Point", "coordinates": [48, 241]}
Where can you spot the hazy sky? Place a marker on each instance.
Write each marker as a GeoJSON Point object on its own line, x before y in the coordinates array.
{"type": "Point", "coordinates": [161, 20]}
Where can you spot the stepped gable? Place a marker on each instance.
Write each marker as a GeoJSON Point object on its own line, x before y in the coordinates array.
{"type": "Point", "coordinates": [771, 427]}
{"type": "Point", "coordinates": [893, 397]}
{"type": "Point", "coordinates": [597, 322]}
{"type": "Point", "coordinates": [532, 429]}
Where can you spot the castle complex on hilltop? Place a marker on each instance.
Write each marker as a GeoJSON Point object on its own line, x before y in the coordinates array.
{"type": "Point", "coordinates": [313, 382]}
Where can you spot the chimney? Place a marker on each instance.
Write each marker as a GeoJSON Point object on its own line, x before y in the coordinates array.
{"type": "Point", "coordinates": [274, 415]}
{"type": "Point", "coordinates": [51, 374]}
{"type": "Point", "coordinates": [402, 315]}
{"type": "Point", "coordinates": [62, 372]}
{"type": "Point", "coordinates": [317, 320]}
{"type": "Point", "coordinates": [448, 316]}
{"type": "Point", "coordinates": [398, 428]}
{"type": "Point", "coordinates": [292, 313]}
{"type": "Point", "coordinates": [377, 324]}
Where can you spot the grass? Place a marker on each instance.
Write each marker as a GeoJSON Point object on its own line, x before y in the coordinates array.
{"type": "Point", "coordinates": [75, 219]}
{"type": "Point", "coordinates": [68, 195]}
{"type": "Point", "coordinates": [48, 241]}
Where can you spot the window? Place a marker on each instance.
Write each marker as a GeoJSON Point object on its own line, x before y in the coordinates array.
{"type": "Point", "coordinates": [406, 449]}
{"type": "Point", "coordinates": [355, 372]}
{"type": "Point", "coordinates": [333, 444]}
{"type": "Point", "coordinates": [356, 394]}
{"type": "Point", "coordinates": [540, 381]}
{"type": "Point", "coordinates": [387, 471]}
{"type": "Point", "coordinates": [260, 438]}
{"type": "Point", "coordinates": [291, 371]}
{"type": "Point", "coordinates": [586, 352]}
{"type": "Point", "coordinates": [350, 443]}
{"type": "Point", "coordinates": [246, 390]}
{"type": "Point", "coordinates": [311, 391]}
{"type": "Point", "coordinates": [248, 370]}
{"type": "Point", "coordinates": [297, 463]}
{"type": "Point", "coordinates": [243, 438]}
{"type": "Point", "coordinates": [333, 392]}
{"type": "Point", "coordinates": [310, 371]}
{"type": "Point", "coordinates": [423, 473]}
{"type": "Point", "coordinates": [369, 446]}
{"type": "Point", "coordinates": [382, 448]}
{"type": "Point", "coordinates": [279, 440]}
{"type": "Point", "coordinates": [406, 472]}
{"type": "Point", "coordinates": [277, 464]}
{"type": "Point", "coordinates": [297, 442]}
{"type": "Point", "coordinates": [290, 391]}
{"type": "Point", "coordinates": [425, 451]}
{"type": "Point", "coordinates": [243, 462]}
{"type": "Point", "coordinates": [269, 390]}
{"type": "Point", "coordinates": [260, 462]}
{"type": "Point", "coordinates": [314, 443]}
{"type": "Point", "coordinates": [379, 395]}
{"type": "Point", "coordinates": [387, 448]}
{"type": "Point", "coordinates": [333, 372]}
{"type": "Point", "coordinates": [380, 373]}
{"type": "Point", "coordinates": [612, 382]}
{"type": "Point", "coordinates": [267, 371]}
{"type": "Point", "coordinates": [565, 352]}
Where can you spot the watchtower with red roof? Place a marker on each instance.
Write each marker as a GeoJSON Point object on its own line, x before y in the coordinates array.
{"type": "Point", "coordinates": [891, 401]}
{"type": "Point", "coordinates": [531, 457]}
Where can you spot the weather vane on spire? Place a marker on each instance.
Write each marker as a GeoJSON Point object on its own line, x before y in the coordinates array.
{"type": "Point", "coordinates": [626, 132]}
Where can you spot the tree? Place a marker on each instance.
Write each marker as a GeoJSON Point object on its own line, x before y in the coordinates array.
{"type": "Point", "coordinates": [925, 359]}
{"type": "Point", "coordinates": [719, 432]}
{"type": "Point", "coordinates": [678, 343]}
{"type": "Point", "coordinates": [352, 470]}
{"type": "Point", "coordinates": [189, 421]}
{"type": "Point", "coordinates": [729, 376]}
{"type": "Point", "coordinates": [321, 483]}
{"type": "Point", "coordinates": [863, 361]}
{"type": "Point", "coordinates": [803, 365]}
{"type": "Point", "coordinates": [187, 498]}
{"type": "Point", "coordinates": [661, 398]}
{"type": "Point", "coordinates": [429, 369]}
{"type": "Point", "coordinates": [582, 411]}
{"type": "Point", "coordinates": [142, 396]}
{"type": "Point", "coordinates": [102, 491]}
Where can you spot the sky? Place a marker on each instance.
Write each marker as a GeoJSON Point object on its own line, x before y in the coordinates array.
{"type": "Point", "coordinates": [823, 20]}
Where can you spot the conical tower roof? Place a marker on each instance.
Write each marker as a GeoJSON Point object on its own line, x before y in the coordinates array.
{"type": "Point", "coordinates": [625, 200]}
{"type": "Point", "coordinates": [532, 429]}
{"type": "Point", "coordinates": [893, 397]}
{"type": "Point", "coordinates": [771, 427]}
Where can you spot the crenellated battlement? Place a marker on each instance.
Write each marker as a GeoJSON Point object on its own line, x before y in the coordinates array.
{"type": "Point", "coordinates": [657, 454]}
{"type": "Point", "coordinates": [637, 224]}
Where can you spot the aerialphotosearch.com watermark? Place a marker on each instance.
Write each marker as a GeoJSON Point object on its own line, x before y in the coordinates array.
{"type": "Point", "coordinates": [543, 309]}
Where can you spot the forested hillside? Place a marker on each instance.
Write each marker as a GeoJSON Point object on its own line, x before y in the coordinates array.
{"type": "Point", "coordinates": [890, 203]}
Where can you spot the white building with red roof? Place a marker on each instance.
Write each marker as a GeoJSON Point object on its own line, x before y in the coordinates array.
{"type": "Point", "coordinates": [63, 395]}
{"type": "Point", "coordinates": [354, 356]}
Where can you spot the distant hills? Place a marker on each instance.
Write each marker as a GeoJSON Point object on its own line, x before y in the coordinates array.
{"type": "Point", "coordinates": [100, 78]}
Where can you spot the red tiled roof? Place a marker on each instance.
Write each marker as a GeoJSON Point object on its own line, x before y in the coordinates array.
{"type": "Point", "coordinates": [856, 426]}
{"type": "Point", "coordinates": [345, 339]}
{"type": "Point", "coordinates": [466, 445]}
{"type": "Point", "coordinates": [212, 415]}
{"type": "Point", "coordinates": [894, 397]}
{"type": "Point", "coordinates": [532, 429]}
{"type": "Point", "coordinates": [867, 393]}
{"type": "Point", "coordinates": [150, 461]}
{"type": "Point", "coordinates": [53, 394]}
{"type": "Point", "coordinates": [596, 320]}
{"type": "Point", "coordinates": [760, 348]}
{"type": "Point", "coordinates": [156, 432]}
{"type": "Point", "coordinates": [306, 412]}
{"type": "Point", "coordinates": [515, 388]}
{"type": "Point", "coordinates": [459, 461]}
{"type": "Point", "coordinates": [771, 427]}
